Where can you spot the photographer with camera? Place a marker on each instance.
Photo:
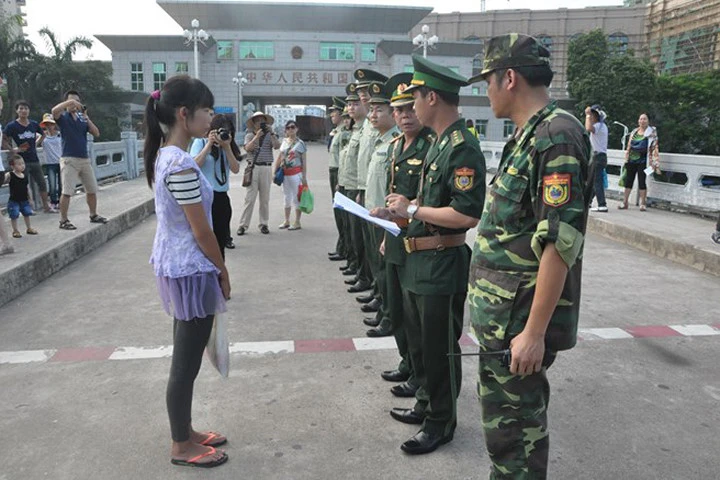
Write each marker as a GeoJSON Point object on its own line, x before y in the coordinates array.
{"type": "Point", "coordinates": [259, 142]}
{"type": "Point", "coordinates": [217, 156]}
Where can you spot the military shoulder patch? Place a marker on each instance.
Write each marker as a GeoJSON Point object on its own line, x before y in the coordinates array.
{"type": "Point", "coordinates": [457, 138]}
{"type": "Point", "coordinates": [464, 178]}
{"type": "Point", "coordinates": [556, 189]}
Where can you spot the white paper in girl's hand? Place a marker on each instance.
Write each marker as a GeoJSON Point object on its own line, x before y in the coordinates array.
{"type": "Point", "coordinates": [218, 346]}
{"type": "Point", "coordinates": [649, 170]}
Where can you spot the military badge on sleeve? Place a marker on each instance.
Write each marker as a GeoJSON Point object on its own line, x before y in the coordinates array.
{"type": "Point", "coordinates": [556, 189]}
{"type": "Point", "coordinates": [464, 178]}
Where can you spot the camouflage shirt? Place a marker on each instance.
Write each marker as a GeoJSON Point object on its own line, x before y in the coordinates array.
{"type": "Point", "coordinates": [537, 196]}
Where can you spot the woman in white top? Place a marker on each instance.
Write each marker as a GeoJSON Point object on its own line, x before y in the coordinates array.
{"type": "Point", "coordinates": [292, 160]}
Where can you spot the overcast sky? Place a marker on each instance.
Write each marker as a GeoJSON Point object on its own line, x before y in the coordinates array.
{"type": "Point", "coordinates": [70, 18]}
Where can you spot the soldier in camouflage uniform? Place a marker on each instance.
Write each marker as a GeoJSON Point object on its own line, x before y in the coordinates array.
{"type": "Point", "coordinates": [449, 202]}
{"type": "Point", "coordinates": [407, 157]}
{"type": "Point", "coordinates": [524, 289]}
{"type": "Point", "coordinates": [335, 111]}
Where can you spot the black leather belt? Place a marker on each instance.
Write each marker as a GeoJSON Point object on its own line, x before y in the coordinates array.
{"type": "Point", "coordinates": [263, 164]}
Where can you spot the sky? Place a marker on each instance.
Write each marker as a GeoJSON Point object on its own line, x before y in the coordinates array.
{"type": "Point", "coordinates": [71, 18]}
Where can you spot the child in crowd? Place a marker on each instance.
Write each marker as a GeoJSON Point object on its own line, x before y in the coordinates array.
{"type": "Point", "coordinates": [52, 147]}
{"type": "Point", "coordinates": [19, 196]}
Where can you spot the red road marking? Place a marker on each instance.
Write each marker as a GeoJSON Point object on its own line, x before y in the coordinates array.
{"type": "Point", "coordinates": [326, 345]}
{"type": "Point", "coordinates": [82, 354]}
{"type": "Point", "coordinates": [652, 331]}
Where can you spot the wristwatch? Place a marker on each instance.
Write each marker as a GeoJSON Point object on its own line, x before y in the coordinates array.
{"type": "Point", "coordinates": [411, 210]}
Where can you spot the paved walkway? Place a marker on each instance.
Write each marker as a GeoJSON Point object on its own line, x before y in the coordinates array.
{"type": "Point", "coordinates": [637, 398]}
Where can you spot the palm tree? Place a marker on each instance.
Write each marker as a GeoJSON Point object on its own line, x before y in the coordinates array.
{"type": "Point", "coordinates": [15, 50]}
{"type": "Point", "coordinates": [59, 65]}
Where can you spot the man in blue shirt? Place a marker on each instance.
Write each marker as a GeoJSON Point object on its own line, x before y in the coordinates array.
{"type": "Point", "coordinates": [75, 167]}
{"type": "Point", "coordinates": [24, 133]}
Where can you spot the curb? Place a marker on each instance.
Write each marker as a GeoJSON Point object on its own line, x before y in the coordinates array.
{"type": "Point", "coordinates": [678, 252]}
{"type": "Point", "coordinates": [22, 278]}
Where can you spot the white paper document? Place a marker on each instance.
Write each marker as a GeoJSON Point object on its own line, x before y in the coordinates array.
{"type": "Point", "coordinates": [649, 171]}
{"type": "Point", "coordinates": [344, 203]}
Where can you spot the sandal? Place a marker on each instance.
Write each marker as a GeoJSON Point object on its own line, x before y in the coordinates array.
{"type": "Point", "coordinates": [31, 231]}
{"type": "Point", "coordinates": [193, 462]}
{"type": "Point", "coordinates": [284, 225]}
{"type": "Point", "coordinates": [214, 440]}
{"type": "Point", "coordinates": [17, 234]}
{"type": "Point", "coordinates": [98, 219]}
{"type": "Point", "coordinates": [623, 206]}
{"type": "Point", "coordinates": [67, 225]}
{"type": "Point", "coordinates": [643, 208]}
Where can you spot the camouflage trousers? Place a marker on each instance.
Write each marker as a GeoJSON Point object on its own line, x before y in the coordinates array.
{"type": "Point", "coordinates": [514, 419]}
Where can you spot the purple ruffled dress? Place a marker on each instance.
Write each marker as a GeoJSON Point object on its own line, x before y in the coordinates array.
{"type": "Point", "coordinates": [187, 280]}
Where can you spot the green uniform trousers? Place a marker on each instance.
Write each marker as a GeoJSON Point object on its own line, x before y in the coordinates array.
{"type": "Point", "coordinates": [348, 223]}
{"type": "Point", "coordinates": [514, 419]}
{"type": "Point", "coordinates": [393, 305]}
{"type": "Point", "coordinates": [357, 226]}
{"type": "Point", "coordinates": [434, 326]}
{"type": "Point", "coordinates": [340, 244]}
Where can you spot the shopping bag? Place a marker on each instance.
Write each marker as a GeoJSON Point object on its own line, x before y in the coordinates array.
{"type": "Point", "coordinates": [307, 201]}
{"type": "Point", "coordinates": [218, 346]}
{"type": "Point", "coordinates": [623, 176]}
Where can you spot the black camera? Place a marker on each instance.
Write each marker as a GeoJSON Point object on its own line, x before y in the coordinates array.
{"type": "Point", "coordinates": [223, 134]}
{"type": "Point", "coordinates": [264, 127]}
{"type": "Point", "coordinates": [84, 108]}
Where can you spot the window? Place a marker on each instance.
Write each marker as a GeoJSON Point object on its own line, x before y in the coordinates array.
{"type": "Point", "coordinates": [481, 128]}
{"type": "Point", "coordinates": [260, 50]}
{"type": "Point", "coordinates": [367, 52]}
{"type": "Point", "coordinates": [159, 75]}
{"type": "Point", "coordinates": [546, 42]}
{"type": "Point", "coordinates": [408, 69]}
{"type": "Point", "coordinates": [225, 50]}
{"type": "Point", "coordinates": [181, 67]}
{"type": "Point", "coordinates": [477, 64]}
{"type": "Point", "coordinates": [337, 51]}
{"type": "Point", "coordinates": [137, 81]}
{"type": "Point", "coordinates": [508, 128]}
{"type": "Point", "coordinates": [618, 43]}
{"type": "Point", "coordinates": [479, 88]}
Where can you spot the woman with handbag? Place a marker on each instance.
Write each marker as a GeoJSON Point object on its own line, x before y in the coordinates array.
{"type": "Point", "coordinates": [217, 156]}
{"type": "Point", "coordinates": [292, 161]}
{"type": "Point", "coordinates": [259, 143]}
{"type": "Point", "coordinates": [642, 145]}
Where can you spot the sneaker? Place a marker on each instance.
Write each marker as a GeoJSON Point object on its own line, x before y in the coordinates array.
{"type": "Point", "coordinates": [295, 226]}
{"type": "Point", "coordinates": [716, 237]}
{"type": "Point", "coordinates": [599, 209]}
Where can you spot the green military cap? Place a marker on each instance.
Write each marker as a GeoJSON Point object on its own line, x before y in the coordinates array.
{"type": "Point", "coordinates": [337, 105]}
{"type": "Point", "coordinates": [431, 75]}
{"type": "Point", "coordinates": [345, 112]}
{"type": "Point", "coordinates": [512, 50]}
{"type": "Point", "coordinates": [351, 90]}
{"type": "Point", "coordinates": [365, 76]}
{"type": "Point", "coordinates": [398, 84]}
{"type": "Point", "coordinates": [379, 92]}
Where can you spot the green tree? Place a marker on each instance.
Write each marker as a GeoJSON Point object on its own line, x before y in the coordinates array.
{"type": "Point", "coordinates": [598, 74]}
{"type": "Point", "coordinates": [15, 50]}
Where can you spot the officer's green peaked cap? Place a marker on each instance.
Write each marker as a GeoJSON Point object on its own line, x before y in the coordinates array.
{"type": "Point", "coordinates": [434, 76]}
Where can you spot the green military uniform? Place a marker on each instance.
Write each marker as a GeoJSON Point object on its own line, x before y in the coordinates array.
{"type": "Point", "coordinates": [347, 179]}
{"type": "Point", "coordinates": [538, 196]}
{"type": "Point", "coordinates": [434, 277]}
{"type": "Point", "coordinates": [333, 167]}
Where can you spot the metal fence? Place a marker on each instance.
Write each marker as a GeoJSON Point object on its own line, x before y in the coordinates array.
{"type": "Point", "coordinates": [686, 181]}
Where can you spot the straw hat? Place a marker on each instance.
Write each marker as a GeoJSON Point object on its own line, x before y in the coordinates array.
{"type": "Point", "coordinates": [250, 121]}
{"type": "Point", "coordinates": [47, 118]}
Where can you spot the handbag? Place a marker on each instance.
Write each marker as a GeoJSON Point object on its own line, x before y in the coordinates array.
{"type": "Point", "coordinates": [279, 176]}
{"type": "Point", "coordinates": [218, 346]}
{"type": "Point", "coordinates": [248, 173]}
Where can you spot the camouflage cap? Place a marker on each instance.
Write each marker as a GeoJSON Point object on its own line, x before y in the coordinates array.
{"type": "Point", "coordinates": [434, 76]}
{"type": "Point", "coordinates": [379, 93]}
{"type": "Point", "coordinates": [351, 90]}
{"type": "Point", "coordinates": [398, 84]}
{"type": "Point", "coordinates": [364, 76]}
{"type": "Point", "coordinates": [512, 50]}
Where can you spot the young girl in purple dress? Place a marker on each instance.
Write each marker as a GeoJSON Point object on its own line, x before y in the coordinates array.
{"type": "Point", "coordinates": [191, 276]}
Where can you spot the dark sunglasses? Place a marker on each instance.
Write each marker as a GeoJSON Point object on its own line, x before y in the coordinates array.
{"type": "Point", "coordinates": [291, 127]}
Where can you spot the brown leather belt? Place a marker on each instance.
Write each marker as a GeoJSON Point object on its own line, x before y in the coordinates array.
{"type": "Point", "coordinates": [437, 242]}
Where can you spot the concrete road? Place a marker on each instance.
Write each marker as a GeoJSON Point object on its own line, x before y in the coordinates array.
{"type": "Point", "coordinates": [635, 399]}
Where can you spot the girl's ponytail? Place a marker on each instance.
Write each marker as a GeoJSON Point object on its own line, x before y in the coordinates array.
{"type": "Point", "coordinates": [154, 136]}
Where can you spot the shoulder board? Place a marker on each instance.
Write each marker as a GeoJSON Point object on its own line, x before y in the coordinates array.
{"type": "Point", "coordinates": [457, 138]}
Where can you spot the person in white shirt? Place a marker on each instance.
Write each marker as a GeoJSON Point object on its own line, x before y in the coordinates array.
{"type": "Point", "coordinates": [595, 125]}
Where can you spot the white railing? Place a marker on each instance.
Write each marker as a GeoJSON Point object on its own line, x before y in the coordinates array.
{"type": "Point", "coordinates": [687, 181]}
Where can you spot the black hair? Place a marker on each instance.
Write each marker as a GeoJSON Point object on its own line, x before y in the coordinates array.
{"type": "Point", "coordinates": [291, 122]}
{"type": "Point", "coordinates": [13, 158]}
{"type": "Point", "coordinates": [452, 99]}
{"type": "Point", "coordinates": [469, 123]}
{"type": "Point", "coordinates": [225, 121]}
{"type": "Point", "coordinates": [21, 103]}
{"type": "Point", "coordinates": [178, 91]}
{"type": "Point", "coordinates": [71, 92]}
{"type": "Point", "coordinates": [535, 76]}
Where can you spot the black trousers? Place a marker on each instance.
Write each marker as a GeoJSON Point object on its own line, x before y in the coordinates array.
{"type": "Point", "coordinates": [221, 215]}
{"type": "Point", "coordinates": [189, 340]}
{"type": "Point", "coordinates": [340, 244]}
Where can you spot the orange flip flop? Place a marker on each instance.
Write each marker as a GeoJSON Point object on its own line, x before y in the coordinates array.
{"type": "Point", "coordinates": [213, 440]}
{"type": "Point", "coordinates": [193, 462]}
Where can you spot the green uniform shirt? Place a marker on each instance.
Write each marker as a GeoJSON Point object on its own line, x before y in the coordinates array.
{"type": "Point", "coordinates": [348, 160]}
{"type": "Point", "coordinates": [334, 161]}
{"type": "Point", "coordinates": [404, 178]}
{"type": "Point", "coordinates": [537, 196]}
{"type": "Point", "coordinates": [365, 151]}
{"type": "Point", "coordinates": [454, 176]}
{"type": "Point", "coordinates": [376, 189]}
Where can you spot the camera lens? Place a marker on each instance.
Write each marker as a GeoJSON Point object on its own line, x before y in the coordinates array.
{"type": "Point", "coordinates": [223, 134]}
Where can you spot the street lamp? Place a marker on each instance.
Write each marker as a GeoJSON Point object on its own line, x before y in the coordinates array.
{"type": "Point", "coordinates": [240, 81]}
{"type": "Point", "coordinates": [422, 39]}
{"type": "Point", "coordinates": [194, 36]}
